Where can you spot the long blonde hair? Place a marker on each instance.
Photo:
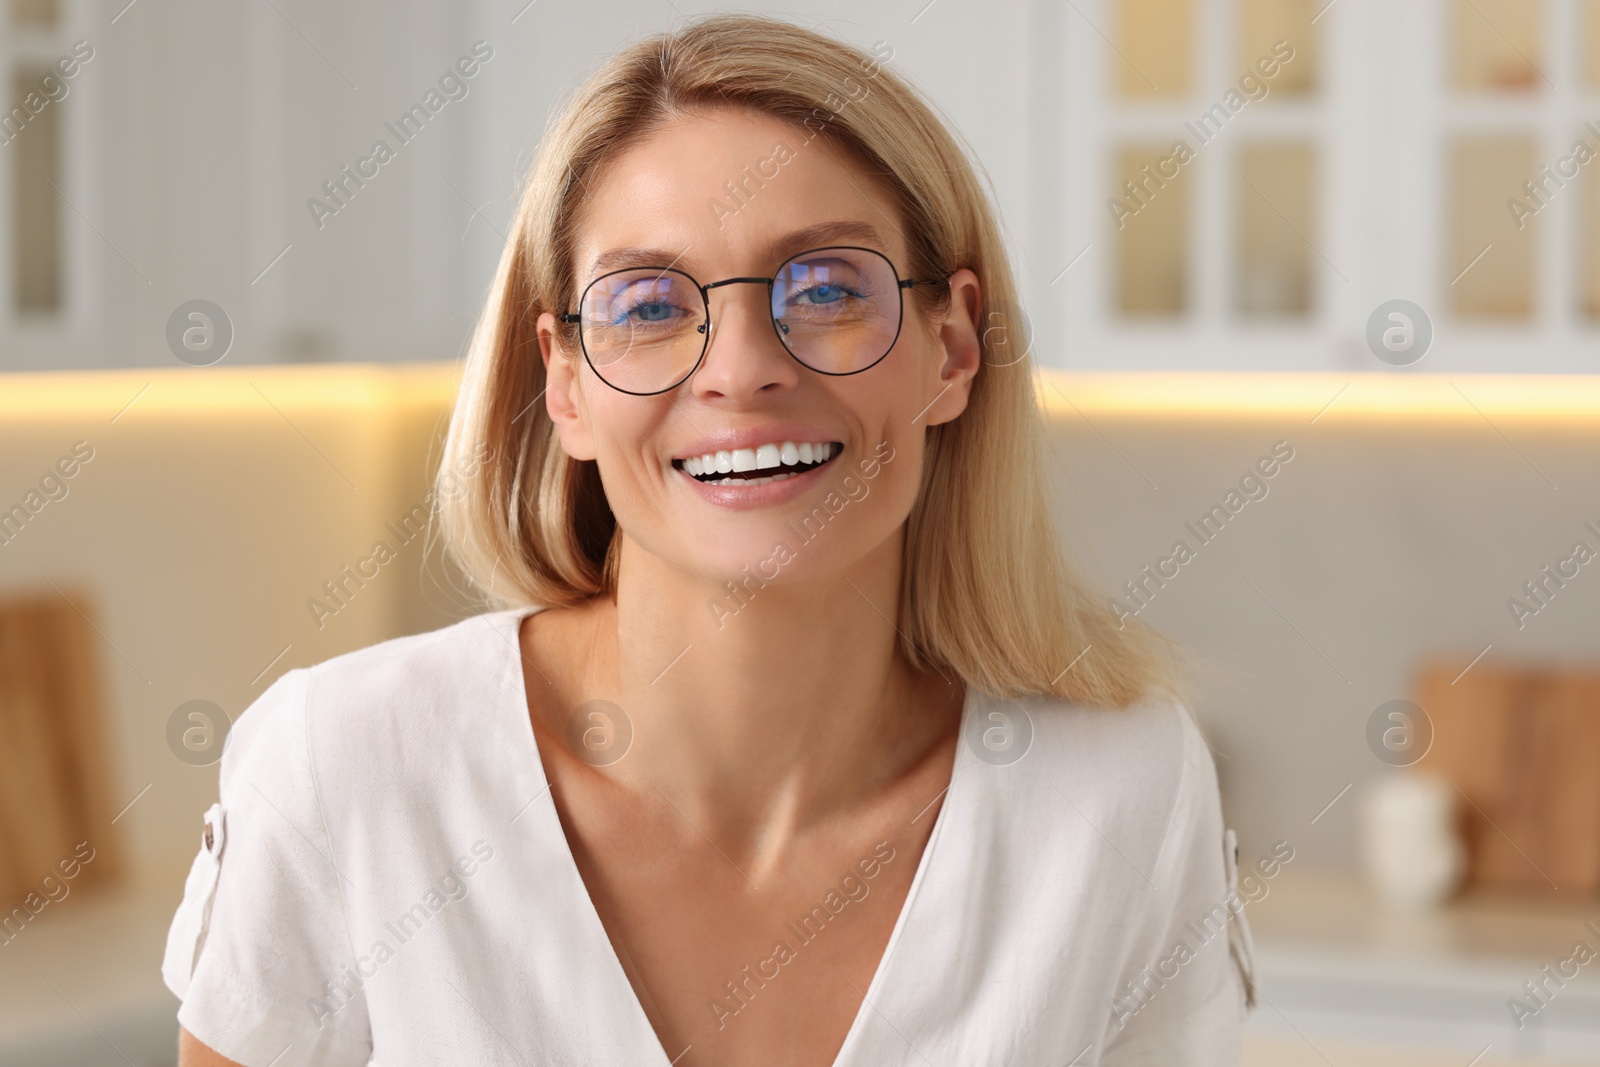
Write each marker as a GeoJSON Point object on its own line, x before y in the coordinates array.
{"type": "Point", "coordinates": [985, 590]}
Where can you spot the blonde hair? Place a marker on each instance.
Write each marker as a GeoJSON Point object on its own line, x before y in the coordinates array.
{"type": "Point", "coordinates": [985, 590]}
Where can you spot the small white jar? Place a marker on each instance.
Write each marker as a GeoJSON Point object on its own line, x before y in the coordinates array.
{"type": "Point", "coordinates": [1410, 850]}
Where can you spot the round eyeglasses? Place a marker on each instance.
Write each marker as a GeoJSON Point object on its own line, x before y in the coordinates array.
{"type": "Point", "coordinates": [837, 310]}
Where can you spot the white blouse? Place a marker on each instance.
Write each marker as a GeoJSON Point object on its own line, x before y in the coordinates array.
{"type": "Point", "coordinates": [385, 880]}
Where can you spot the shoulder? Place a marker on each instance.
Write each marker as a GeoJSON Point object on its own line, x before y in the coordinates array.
{"type": "Point", "coordinates": [1154, 721]}
{"type": "Point", "coordinates": [411, 670]}
{"type": "Point", "coordinates": [1153, 749]}
{"type": "Point", "coordinates": [1140, 777]}
{"type": "Point", "coordinates": [352, 705]}
{"type": "Point", "coordinates": [1155, 779]}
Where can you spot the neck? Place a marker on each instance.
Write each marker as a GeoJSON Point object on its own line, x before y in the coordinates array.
{"type": "Point", "coordinates": [780, 708]}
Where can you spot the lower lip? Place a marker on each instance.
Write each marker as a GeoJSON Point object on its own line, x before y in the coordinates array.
{"type": "Point", "coordinates": [741, 498]}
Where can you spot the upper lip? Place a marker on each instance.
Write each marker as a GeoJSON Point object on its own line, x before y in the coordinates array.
{"type": "Point", "coordinates": [728, 440]}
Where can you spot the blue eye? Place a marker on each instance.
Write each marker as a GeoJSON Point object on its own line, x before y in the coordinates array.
{"type": "Point", "coordinates": [646, 313]}
{"type": "Point", "coordinates": [651, 301]}
{"type": "Point", "coordinates": [652, 312]}
{"type": "Point", "coordinates": [825, 294]}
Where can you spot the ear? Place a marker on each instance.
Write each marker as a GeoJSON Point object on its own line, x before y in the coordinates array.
{"type": "Point", "coordinates": [563, 395]}
{"type": "Point", "coordinates": [960, 344]}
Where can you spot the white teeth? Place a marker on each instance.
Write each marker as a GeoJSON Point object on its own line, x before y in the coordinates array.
{"type": "Point", "coordinates": [762, 457]}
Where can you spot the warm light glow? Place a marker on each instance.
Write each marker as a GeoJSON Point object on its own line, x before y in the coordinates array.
{"type": "Point", "coordinates": [1134, 394]}
{"type": "Point", "coordinates": [142, 393]}
{"type": "Point", "coordinates": [1213, 394]}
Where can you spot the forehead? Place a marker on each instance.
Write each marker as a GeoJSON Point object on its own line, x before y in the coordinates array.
{"type": "Point", "coordinates": [728, 192]}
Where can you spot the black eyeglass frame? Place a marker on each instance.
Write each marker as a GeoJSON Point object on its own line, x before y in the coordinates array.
{"type": "Point", "coordinates": [770, 282]}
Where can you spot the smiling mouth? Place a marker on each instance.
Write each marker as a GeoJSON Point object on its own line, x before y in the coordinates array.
{"type": "Point", "coordinates": [758, 466]}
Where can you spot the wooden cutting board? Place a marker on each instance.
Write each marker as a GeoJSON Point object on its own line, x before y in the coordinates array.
{"type": "Point", "coordinates": [55, 790]}
{"type": "Point", "coordinates": [1522, 746]}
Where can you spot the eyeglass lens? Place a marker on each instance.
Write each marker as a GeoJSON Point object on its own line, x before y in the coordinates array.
{"type": "Point", "coordinates": [836, 309]}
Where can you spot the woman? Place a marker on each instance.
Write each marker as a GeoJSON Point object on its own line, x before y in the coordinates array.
{"type": "Point", "coordinates": [793, 740]}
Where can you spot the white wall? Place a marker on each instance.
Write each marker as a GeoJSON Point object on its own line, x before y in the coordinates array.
{"type": "Point", "coordinates": [1385, 544]}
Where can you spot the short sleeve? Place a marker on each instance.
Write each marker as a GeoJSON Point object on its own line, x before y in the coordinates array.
{"type": "Point", "coordinates": [258, 950]}
{"type": "Point", "coordinates": [1187, 984]}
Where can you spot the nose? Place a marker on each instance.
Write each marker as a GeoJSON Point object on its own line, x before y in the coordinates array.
{"type": "Point", "coordinates": [744, 357]}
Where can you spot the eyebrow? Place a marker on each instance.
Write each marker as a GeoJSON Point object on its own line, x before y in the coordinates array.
{"type": "Point", "coordinates": [807, 237]}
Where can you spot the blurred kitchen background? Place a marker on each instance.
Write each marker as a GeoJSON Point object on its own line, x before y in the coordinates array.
{"type": "Point", "coordinates": [1352, 242]}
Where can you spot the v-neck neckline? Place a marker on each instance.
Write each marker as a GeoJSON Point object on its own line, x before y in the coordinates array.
{"type": "Point", "coordinates": [514, 617]}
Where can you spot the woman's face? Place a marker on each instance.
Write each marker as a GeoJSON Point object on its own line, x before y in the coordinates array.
{"type": "Point", "coordinates": [670, 193]}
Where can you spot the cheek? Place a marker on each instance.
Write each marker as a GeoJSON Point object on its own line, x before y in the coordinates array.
{"type": "Point", "coordinates": [624, 433]}
{"type": "Point", "coordinates": [900, 477]}
{"type": "Point", "coordinates": [885, 476]}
